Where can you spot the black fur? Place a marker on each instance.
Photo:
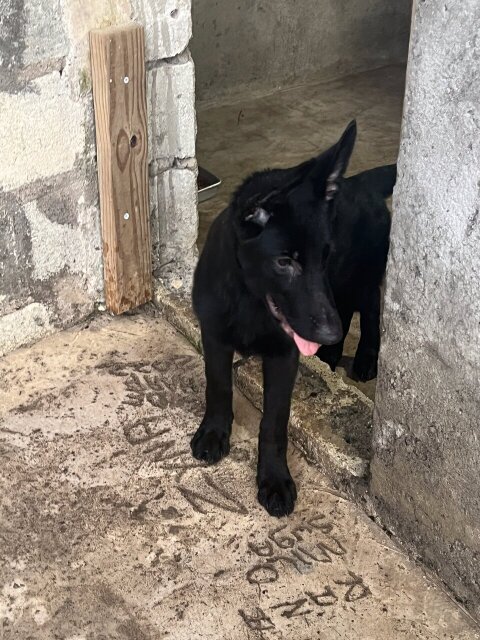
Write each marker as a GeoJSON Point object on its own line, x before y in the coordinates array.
{"type": "Point", "coordinates": [295, 254]}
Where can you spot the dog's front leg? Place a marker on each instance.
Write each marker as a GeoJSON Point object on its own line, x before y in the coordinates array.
{"type": "Point", "coordinates": [212, 440]}
{"type": "Point", "coordinates": [276, 489]}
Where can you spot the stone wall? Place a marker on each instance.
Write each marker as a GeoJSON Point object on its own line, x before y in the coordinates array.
{"type": "Point", "coordinates": [261, 45]}
{"type": "Point", "coordinates": [51, 270]}
{"type": "Point", "coordinates": [425, 471]}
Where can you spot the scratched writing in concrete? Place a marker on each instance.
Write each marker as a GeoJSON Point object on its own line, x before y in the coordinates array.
{"type": "Point", "coordinates": [352, 588]}
{"type": "Point", "coordinates": [148, 433]}
{"type": "Point", "coordinates": [213, 494]}
{"type": "Point", "coordinates": [299, 546]}
{"type": "Point", "coordinates": [172, 381]}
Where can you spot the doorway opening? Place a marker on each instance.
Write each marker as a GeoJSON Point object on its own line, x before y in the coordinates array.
{"type": "Point", "coordinates": [277, 84]}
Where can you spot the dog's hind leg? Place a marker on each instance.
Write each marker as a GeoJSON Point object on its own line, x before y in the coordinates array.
{"type": "Point", "coordinates": [276, 489]}
{"type": "Point", "coordinates": [332, 353]}
{"type": "Point", "coordinates": [366, 357]}
{"type": "Point", "coordinates": [211, 442]}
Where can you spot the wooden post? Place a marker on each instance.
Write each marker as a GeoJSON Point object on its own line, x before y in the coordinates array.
{"type": "Point", "coordinates": [118, 75]}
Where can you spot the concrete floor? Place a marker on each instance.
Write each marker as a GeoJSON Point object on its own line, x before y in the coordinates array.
{"type": "Point", "coordinates": [287, 127]}
{"type": "Point", "coordinates": [110, 530]}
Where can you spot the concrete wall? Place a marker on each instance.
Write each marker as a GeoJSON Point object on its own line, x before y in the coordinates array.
{"type": "Point", "coordinates": [426, 467]}
{"type": "Point", "coordinates": [50, 245]}
{"type": "Point", "coordinates": [267, 43]}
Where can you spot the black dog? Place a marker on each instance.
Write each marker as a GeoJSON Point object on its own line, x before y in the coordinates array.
{"type": "Point", "coordinates": [283, 269]}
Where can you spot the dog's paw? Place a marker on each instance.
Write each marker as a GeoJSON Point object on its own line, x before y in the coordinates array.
{"type": "Point", "coordinates": [365, 366]}
{"type": "Point", "coordinates": [330, 354]}
{"type": "Point", "coordinates": [277, 495]}
{"type": "Point", "coordinates": [210, 444]}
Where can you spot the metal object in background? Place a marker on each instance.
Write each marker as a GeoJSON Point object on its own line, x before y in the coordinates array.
{"type": "Point", "coordinates": [208, 185]}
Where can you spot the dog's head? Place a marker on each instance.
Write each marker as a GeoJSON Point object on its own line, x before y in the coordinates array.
{"type": "Point", "coordinates": [284, 228]}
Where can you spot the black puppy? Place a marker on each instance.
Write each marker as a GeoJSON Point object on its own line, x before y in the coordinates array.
{"type": "Point", "coordinates": [282, 270]}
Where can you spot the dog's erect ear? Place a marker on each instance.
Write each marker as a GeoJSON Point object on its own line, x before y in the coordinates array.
{"type": "Point", "coordinates": [343, 151]}
{"type": "Point", "coordinates": [332, 164]}
{"type": "Point", "coordinates": [260, 216]}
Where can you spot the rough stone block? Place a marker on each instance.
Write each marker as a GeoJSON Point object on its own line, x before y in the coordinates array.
{"type": "Point", "coordinates": [15, 255]}
{"type": "Point", "coordinates": [12, 29]}
{"type": "Point", "coordinates": [175, 225]}
{"type": "Point", "coordinates": [64, 247]}
{"type": "Point", "coordinates": [45, 34]}
{"type": "Point", "coordinates": [33, 41]}
{"type": "Point", "coordinates": [23, 326]}
{"type": "Point", "coordinates": [50, 249]}
{"type": "Point", "coordinates": [168, 26]}
{"type": "Point", "coordinates": [45, 131]}
{"type": "Point", "coordinates": [171, 118]}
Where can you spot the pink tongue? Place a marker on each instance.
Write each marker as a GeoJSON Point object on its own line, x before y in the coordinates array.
{"type": "Point", "coordinates": [305, 347]}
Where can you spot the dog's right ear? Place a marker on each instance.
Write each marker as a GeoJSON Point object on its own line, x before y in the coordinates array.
{"type": "Point", "coordinates": [259, 210]}
{"type": "Point", "coordinates": [259, 216]}
{"type": "Point", "coordinates": [252, 219]}
{"type": "Point", "coordinates": [259, 197]}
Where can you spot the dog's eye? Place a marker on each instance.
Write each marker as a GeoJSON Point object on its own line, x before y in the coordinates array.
{"type": "Point", "coordinates": [286, 265]}
{"type": "Point", "coordinates": [284, 261]}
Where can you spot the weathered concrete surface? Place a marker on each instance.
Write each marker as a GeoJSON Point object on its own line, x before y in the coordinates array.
{"type": "Point", "coordinates": [110, 529]}
{"type": "Point", "coordinates": [425, 473]}
{"type": "Point", "coordinates": [50, 241]}
{"type": "Point", "coordinates": [260, 46]}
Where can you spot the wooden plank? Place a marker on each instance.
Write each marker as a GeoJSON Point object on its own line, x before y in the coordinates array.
{"type": "Point", "coordinates": [118, 75]}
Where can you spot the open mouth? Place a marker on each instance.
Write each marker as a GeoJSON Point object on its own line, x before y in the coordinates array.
{"type": "Point", "coordinates": [306, 347]}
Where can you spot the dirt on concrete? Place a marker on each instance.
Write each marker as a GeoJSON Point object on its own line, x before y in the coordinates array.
{"type": "Point", "coordinates": [110, 530]}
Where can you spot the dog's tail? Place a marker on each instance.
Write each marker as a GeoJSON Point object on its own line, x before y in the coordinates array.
{"type": "Point", "coordinates": [380, 180]}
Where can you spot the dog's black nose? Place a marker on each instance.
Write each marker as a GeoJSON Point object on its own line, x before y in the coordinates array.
{"type": "Point", "coordinates": [328, 335]}
{"type": "Point", "coordinates": [327, 327]}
